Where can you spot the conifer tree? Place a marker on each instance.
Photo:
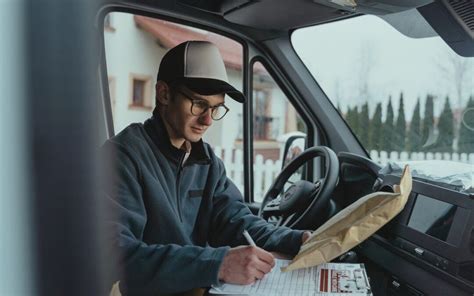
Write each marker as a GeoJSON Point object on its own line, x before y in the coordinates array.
{"type": "Point", "coordinates": [414, 131]}
{"type": "Point", "coordinates": [348, 116]}
{"type": "Point", "coordinates": [364, 124]}
{"type": "Point", "coordinates": [387, 130]}
{"type": "Point", "coordinates": [427, 125]}
{"type": "Point", "coordinates": [376, 128]}
{"type": "Point", "coordinates": [353, 120]}
{"type": "Point", "coordinates": [445, 129]}
{"type": "Point", "coordinates": [466, 131]}
{"type": "Point", "coordinates": [399, 136]}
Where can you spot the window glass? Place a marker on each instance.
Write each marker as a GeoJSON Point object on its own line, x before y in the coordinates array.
{"type": "Point", "coordinates": [138, 92]}
{"type": "Point", "coordinates": [134, 49]}
{"type": "Point", "coordinates": [406, 99]}
{"type": "Point", "coordinates": [274, 121]}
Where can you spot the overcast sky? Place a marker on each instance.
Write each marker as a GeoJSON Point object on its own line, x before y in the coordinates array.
{"type": "Point", "coordinates": [344, 55]}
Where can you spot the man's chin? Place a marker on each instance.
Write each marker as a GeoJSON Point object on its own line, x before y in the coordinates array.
{"type": "Point", "coordinates": [194, 138]}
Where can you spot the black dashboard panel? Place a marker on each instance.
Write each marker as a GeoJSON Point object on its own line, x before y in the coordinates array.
{"type": "Point", "coordinates": [428, 249]}
{"type": "Point", "coordinates": [436, 227]}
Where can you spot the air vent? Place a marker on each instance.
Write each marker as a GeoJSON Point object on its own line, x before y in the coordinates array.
{"type": "Point", "coordinates": [465, 10]}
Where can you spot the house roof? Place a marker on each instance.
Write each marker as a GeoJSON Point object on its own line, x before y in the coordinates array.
{"type": "Point", "coordinates": [170, 35]}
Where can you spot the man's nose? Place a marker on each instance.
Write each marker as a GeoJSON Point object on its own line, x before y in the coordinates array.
{"type": "Point", "coordinates": [206, 118]}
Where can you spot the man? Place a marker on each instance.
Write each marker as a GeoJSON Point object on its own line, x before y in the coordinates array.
{"type": "Point", "coordinates": [180, 220]}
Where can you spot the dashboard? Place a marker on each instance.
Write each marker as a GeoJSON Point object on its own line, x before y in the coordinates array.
{"type": "Point", "coordinates": [428, 249]}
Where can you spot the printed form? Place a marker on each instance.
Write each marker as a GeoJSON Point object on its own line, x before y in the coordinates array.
{"type": "Point", "coordinates": [337, 279]}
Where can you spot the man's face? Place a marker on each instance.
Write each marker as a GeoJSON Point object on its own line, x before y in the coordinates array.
{"type": "Point", "coordinates": [183, 123]}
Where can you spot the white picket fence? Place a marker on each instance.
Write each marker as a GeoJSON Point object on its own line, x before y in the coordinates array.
{"type": "Point", "coordinates": [384, 157]}
{"type": "Point", "coordinates": [265, 171]}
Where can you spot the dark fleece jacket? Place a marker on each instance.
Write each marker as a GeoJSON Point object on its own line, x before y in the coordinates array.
{"type": "Point", "coordinates": [175, 222]}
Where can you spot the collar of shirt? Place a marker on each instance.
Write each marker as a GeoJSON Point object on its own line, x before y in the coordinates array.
{"type": "Point", "coordinates": [194, 152]}
{"type": "Point", "coordinates": [186, 147]}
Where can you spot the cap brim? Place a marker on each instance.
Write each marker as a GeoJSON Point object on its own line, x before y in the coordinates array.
{"type": "Point", "coordinates": [206, 87]}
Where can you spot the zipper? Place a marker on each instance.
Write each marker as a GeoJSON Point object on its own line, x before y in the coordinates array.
{"type": "Point", "coordinates": [178, 176]}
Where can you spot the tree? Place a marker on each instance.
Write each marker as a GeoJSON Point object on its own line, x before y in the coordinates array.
{"type": "Point", "coordinates": [414, 132]}
{"type": "Point", "coordinates": [466, 131]}
{"type": "Point", "coordinates": [353, 119]}
{"type": "Point", "coordinates": [376, 128]}
{"type": "Point", "coordinates": [445, 129]}
{"type": "Point", "coordinates": [366, 63]}
{"type": "Point", "coordinates": [399, 135]}
{"type": "Point", "coordinates": [427, 125]}
{"type": "Point", "coordinates": [458, 70]}
{"type": "Point", "coordinates": [348, 116]}
{"type": "Point", "coordinates": [387, 130]}
{"type": "Point", "coordinates": [364, 124]}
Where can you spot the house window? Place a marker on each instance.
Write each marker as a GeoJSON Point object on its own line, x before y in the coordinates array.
{"type": "Point", "coordinates": [263, 120]}
{"type": "Point", "coordinates": [140, 92]}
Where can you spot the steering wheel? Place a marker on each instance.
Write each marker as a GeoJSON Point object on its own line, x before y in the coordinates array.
{"type": "Point", "coordinates": [298, 206]}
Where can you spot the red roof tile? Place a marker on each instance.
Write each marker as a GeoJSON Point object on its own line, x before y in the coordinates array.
{"type": "Point", "coordinates": [170, 35]}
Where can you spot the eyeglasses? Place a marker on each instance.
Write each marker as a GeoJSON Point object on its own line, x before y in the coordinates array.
{"type": "Point", "coordinates": [199, 107]}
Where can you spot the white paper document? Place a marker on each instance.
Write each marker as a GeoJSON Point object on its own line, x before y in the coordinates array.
{"type": "Point", "coordinates": [337, 279]}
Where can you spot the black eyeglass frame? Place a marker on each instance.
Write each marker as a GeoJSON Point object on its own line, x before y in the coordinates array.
{"type": "Point", "coordinates": [206, 109]}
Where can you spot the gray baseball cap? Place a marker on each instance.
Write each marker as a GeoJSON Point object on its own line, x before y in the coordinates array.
{"type": "Point", "coordinates": [199, 66]}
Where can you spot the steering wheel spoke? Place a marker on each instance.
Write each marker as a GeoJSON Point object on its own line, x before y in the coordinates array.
{"type": "Point", "coordinates": [272, 208]}
{"type": "Point", "coordinates": [287, 220]}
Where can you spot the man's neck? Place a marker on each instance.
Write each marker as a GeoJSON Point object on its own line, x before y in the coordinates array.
{"type": "Point", "coordinates": [175, 140]}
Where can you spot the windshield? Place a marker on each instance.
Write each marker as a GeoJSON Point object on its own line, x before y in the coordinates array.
{"type": "Point", "coordinates": [405, 99]}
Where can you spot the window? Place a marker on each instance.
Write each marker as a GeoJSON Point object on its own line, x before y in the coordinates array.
{"type": "Point", "coordinates": [140, 94]}
{"type": "Point", "coordinates": [263, 120]}
{"type": "Point", "coordinates": [407, 100]}
{"type": "Point", "coordinates": [274, 120]}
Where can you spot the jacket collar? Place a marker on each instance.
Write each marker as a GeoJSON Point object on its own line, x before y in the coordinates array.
{"type": "Point", "coordinates": [156, 129]}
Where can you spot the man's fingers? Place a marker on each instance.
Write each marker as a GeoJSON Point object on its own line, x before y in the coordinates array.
{"type": "Point", "coordinates": [254, 272]}
{"type": "Point", "coordinates": [306, 236]}
{"type": "Point", "coordinates": [264, 267]}
{"type": "Point", "coordinates": [259, 275]}
{"type": "Point", "coordinates": [259, 261]}
{"type": "Point", "coordinates": [265, 256]}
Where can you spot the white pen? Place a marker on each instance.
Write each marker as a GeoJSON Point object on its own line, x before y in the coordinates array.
{"type": "Point", "coordinates": [249, 238]}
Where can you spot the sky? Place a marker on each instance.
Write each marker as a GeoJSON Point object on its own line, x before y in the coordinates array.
{"type": "Point", "coordinates": [344, 56]}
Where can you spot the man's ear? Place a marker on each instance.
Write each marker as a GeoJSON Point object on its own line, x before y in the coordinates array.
{"type": "Point", "coordinates": [163, 95]}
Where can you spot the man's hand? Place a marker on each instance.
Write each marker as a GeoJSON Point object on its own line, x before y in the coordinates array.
{"type": "Point", "coordinates": [245, 264]}
{"type": "Point", "coordinates": [305, 236]}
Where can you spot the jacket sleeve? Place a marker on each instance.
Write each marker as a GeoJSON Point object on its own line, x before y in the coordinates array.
{"type": "Point", "coordinates": [149, 269]}
{"type": "Point", "coordinates": [231, 216]}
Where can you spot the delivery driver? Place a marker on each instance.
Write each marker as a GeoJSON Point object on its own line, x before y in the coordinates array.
{"type": "Point", "coordinates": [179, 219]}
